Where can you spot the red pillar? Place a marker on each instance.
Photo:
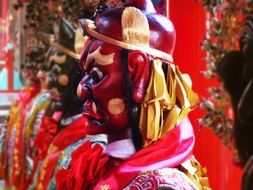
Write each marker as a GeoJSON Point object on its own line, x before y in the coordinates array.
{"type": "Point", "coordinates": [5, 39]}
{"type": "Point", "coordinates": [10, 68]}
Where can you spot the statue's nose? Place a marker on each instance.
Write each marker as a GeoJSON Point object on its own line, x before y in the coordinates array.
{"type": "Point", "coordinates": [84, 89]}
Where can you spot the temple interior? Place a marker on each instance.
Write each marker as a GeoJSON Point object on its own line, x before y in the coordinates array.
{"type": "Point", "coordinates": [126, 94]}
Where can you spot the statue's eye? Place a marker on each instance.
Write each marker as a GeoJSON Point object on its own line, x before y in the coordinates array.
{"type": "Point", "coordinates": [96, 74]}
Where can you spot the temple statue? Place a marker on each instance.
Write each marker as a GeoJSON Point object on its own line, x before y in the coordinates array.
{"type": "Point", "coordinates": [13, 152]}
{"type": "Point", "coordinates": [48, 105]}
{"type": "Point", "coordinates": [240, 88]}
{"type": "Point", "coordinates": [134, 132]}
{"type": "Point", "coordinates": [59, 78]}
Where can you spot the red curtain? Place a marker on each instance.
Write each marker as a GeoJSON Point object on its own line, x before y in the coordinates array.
{"type": "Point", "coordinates": [188, 17]}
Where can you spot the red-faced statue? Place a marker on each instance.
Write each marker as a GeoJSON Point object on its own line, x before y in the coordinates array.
{"type": "Point", "coordinates": [116, 60]}
{"type": "Point", "coordinates": [136, 103]}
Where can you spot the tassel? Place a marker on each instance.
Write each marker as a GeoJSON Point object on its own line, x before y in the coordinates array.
{"type": "Point", "coordinates": [166, 103]}
{"type": "Point", "coordinates": [156, 101]}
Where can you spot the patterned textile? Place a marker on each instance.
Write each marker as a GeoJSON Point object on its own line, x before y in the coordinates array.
{"type": "Point", "coordinates": [2, 139]}
{"type": "Point", "coordinates": [33, 122]}
{"type": "Point", "coordinates": [12, 153]}
{"type": "Point", "coordinates": [161, 179]}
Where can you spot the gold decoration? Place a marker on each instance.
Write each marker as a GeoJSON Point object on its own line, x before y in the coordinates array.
{"type": "Point", "coordinates": [29, 123]}
{"type": "Point", "coordinates": [52, 148]}
{"type": "Point", "coordinates": [166, 103]}
{"type": "Point", "coordinates": [196, 173]}
{"type": "Point", "coordinates": [104, 187]}
{"type": "Point", "coordinates": [63, 80]}
{"type": "Point", "coordinates": [89, 27]}
{"type": "Point", "coordinates": [116, 106]}
{"type": "Point", "coordinates": [80, 40]}
{"type": "Point", "coordinates": [64, 49]}
{"type": "Point", "coordinates": [135, 27]}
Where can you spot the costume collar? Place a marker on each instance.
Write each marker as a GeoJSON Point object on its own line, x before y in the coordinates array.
{"type": "Point", "coordinates": [121, 149]}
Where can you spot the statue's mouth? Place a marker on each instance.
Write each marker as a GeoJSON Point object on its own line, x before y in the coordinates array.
{"type": "Point", "coordinates": [93, 114]}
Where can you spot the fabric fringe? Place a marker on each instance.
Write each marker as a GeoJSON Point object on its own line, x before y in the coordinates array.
{"type": "Point", "coordinates": [196, 173]}
{"type": "Point", "coordinates": [166, 103]}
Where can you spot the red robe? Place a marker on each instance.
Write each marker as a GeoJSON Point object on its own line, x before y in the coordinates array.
{"type": "Point", "coordinates": [10, 159]}
{"type": "Point", "coordinates": [89, 168]}
{"type": "Point", "coordinates": [66, 137]}
{"type": "Point", "coordinates": [46, 134]}
{"type": "Point", "coordinates": [36, 123]}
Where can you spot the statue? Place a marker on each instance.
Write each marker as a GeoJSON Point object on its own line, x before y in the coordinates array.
{"type": "Point", "coordinates": [12, 149]}
{"type": "Point", "coordinates": [135, 131]}
{"type": "Point", "coordinates": [60, 76]}
{"type": "Point", "coordinates": [239, 63]}
{"type": "Point", "coordinates": [38, 119]}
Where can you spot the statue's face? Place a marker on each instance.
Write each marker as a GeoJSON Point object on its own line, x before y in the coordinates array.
{"type": "Point", "coordinates": [34, 58]}
{"type": "Point", "coordinates": [104, 88]}
{"type": "Point", "coordinates": [29, 74]}
{"type": "Point", "coordinates": [58, 71]}
{"type": "Point", "coordinates": [43, 78]}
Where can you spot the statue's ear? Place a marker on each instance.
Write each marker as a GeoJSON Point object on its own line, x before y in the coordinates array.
{"type": "Point", "coordinates": [138, 67]}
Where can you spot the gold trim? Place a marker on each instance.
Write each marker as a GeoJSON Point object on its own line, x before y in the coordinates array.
{"type": "Point", "coordinates": [166, 104]}
{"type": "Point", "coordinates": [135, 27]}
{"type": "Point", "coordinates": [89, 27]}
{"type": "Point", "coordinates": [64, 50]}
{"type": "Point", "coordinates": [196, 173]}
{"type": "Point", "coordinates": [104, 187]}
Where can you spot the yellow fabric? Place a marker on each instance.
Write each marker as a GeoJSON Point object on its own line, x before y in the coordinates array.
{"type": "Point", "coordinates": [166, 102]}
{"type": "Point", "coordinates": [64, 49]}
{"type": "Point", "coordinates": [13, 125]}
{"type": "Point", "coordinates": [135, 27]}
{"type": "Point", "coordinates": [196, 173]}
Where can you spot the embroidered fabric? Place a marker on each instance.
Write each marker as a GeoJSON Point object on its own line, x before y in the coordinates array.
{"type": "Point", "coordinates": [65, 158]}
{"type": "Point", "coordinates": [167, 178]}
{"type": "Point", "coordinates": [2, 138]}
